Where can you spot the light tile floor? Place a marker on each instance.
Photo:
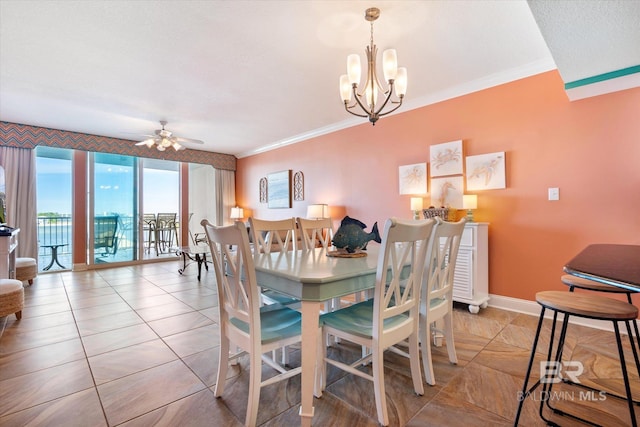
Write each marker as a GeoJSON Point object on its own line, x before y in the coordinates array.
{"type": "Point", "coordinates": [137, 346]}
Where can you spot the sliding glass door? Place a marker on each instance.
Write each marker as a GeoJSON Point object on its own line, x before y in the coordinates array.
{"type": "Point", "coordinates": [54, 201]}
{"type": "Point", "coordinates": [113, 225]}
{"type": "Point", "coordinates": [133, 207]}
{"type": "Point", "coordinates": [161, 207]}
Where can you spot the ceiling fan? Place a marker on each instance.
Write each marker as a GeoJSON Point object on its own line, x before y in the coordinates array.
{"type": "Point", "coordinates": [164, 139]}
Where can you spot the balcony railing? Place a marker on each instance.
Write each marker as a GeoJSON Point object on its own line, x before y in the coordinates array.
{"type": "Point", "coordinates": [55, 242]}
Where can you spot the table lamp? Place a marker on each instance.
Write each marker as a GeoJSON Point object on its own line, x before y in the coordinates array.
{"type": "Point", "coordinates": [237, 213]}
{"type": "Point", "coordinates": [318, 211]}
{"type": "Point", "coordinates": [416, 206]}
{"type": "Point", "coordinates": [469, 202]}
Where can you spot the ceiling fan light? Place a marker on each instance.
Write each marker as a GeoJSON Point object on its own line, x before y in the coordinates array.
{"type": "Point", "coordinates": [161, 148]}
{"type": "Point", "coordinates": [165, 142]}
{"type": "Point", "coordinates": [176, 146]}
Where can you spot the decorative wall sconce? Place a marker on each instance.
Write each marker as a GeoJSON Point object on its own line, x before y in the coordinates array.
{"type": "Point", "coordinates": [469, 202]}
{"type": "Point", "coordinates": [416, 206]}
{"type": "Point", "coordinates": [318, 211]}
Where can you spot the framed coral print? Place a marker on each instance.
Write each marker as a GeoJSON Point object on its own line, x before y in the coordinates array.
{"type": "Point", "coordinates": [446, 159]}
{"type": "Point", "coordinates": [486, 171]}
{"type": "Point", "coordinates": [279, 189]}
{"type": "Point", "coordinates": [447, 192]}
{"type": "Point", "coordinates": [413, 178]}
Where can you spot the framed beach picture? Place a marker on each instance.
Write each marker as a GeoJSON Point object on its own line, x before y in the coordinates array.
{"type": "Point", "coordinates": [279, 189]}
{"type": "Point", "coordinates": [447, 192]}
{"type": "Point", "coordinates": [446, 159]}
{"type": "Point", "coordinates": [413, 178]}
{"type": "Point", "coordinates": [486, 171]}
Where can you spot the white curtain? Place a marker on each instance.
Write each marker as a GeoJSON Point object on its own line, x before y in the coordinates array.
{"type": "Point", "coordinates": [225, 195]}
{"type": "Point", "coordinates": [20, 179]}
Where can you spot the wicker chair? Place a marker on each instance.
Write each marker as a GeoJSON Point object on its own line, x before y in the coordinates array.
{"type": "Point", "coordinates": [11, 298]}
{"type": "Point", "coordinates": [26, 269]}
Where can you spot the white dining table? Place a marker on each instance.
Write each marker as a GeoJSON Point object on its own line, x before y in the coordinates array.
{"type": "Point", "coordinates": [313, 277]}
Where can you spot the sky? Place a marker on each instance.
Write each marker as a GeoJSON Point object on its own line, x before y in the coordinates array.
{"type": "Point", "coordinates": [113, 190]}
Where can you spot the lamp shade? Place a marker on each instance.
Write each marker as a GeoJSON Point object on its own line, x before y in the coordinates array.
{"type": "Point", "coordinates": [318, 211]}
{"type": "Point", "coordinates": [236, 213]}
{"type": "Point", "coordinates": [469, 201]}
{"type": "Point", "coordinates": [416, 203]}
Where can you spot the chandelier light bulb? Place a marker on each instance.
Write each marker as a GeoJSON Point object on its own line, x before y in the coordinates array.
{"type": "Point", "coordinates": [401, 82]}
{"type": "Point", "coordinates": [371, 100]}
{"type": "Point", "coordinates": [345, 88]}
{"type": "Point", "coordinates": [353, 68]}
{"type": "Point", "coordinates": [389, 64]}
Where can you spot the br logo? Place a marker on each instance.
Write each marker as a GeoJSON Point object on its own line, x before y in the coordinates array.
{"type": "Point", "coordinates": [552, 372]}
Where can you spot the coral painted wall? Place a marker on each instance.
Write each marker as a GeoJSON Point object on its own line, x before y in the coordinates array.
{"type": "Point", "coordinates": [590, 149]}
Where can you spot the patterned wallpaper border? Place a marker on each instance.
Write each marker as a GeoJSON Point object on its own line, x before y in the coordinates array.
{"type": "Point", "coordinates": [26, 136]}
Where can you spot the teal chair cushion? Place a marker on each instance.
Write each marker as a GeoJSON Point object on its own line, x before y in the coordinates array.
{"type": "Point", "coordinates": [357, 319]}
{"type": "Point", "coordinates": [278, 322]}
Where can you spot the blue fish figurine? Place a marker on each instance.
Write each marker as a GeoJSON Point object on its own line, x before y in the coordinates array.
{"type": "Point", "coordinates": [352, 237]}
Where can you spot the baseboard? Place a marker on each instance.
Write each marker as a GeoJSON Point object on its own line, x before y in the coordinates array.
{"type": "Point", "coordinates": [533, 308]}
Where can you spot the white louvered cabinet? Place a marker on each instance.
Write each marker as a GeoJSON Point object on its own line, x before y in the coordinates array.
{"type": "Point", "coordinates": [471, 279]}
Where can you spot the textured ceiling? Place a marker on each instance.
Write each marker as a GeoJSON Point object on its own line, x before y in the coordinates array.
{"type": "Point", "coordinates": [245, 76]}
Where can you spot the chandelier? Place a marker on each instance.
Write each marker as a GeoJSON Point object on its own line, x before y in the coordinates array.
{"type": "Point", "coordinates": [367, 100]}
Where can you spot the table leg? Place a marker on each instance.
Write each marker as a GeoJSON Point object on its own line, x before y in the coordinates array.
{"type": "Point", "coordinates": [54, 259]}
{"type": "Point", "coordinates": [310, 319]}
{"type": "Point", "coordinates": [184, 261]}
{"type": "Point", "coordinates": [199, 260]}
{"type": "Point", "coordinates": [50, 263]}
{"type": "Point", "coordinates": [54, 256]}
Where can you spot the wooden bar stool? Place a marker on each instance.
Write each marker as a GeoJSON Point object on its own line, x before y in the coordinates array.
{"type": "Point", "coordinates": [578, 305]}
{"type": "Point", "coordinates": [574, 282]}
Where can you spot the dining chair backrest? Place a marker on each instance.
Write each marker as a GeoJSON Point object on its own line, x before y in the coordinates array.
{"type": "Point", "coordinates": [437, 291]}
{"type": "Point", "coordinates": [315, 232]}
{"type": "Point", "coordinates": [273, 235]}
{"type": "Point", "coordinates": [166, 220]}
{"type": "Point", "coordinates": [238, 294]}
{"type": "Point", "coordinates": [149, 219]}
{"type": "Point", "coordinates": [441, 263]}
{"type": "Point", "coordinates": [399, 275]}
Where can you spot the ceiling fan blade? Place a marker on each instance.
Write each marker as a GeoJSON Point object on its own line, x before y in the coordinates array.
{"type": "Point", "coordinates": [188, 140]}
{"type": "Point", "coordinates": [148, 142]}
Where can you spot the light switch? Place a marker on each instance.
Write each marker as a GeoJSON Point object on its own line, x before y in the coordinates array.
{"type": "Point", "coordinates": [554, 193]}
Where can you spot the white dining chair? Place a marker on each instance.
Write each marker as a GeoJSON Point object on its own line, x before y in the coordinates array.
{"type": "Point", "coordinates": [437, 291]}
{"type": "Point", "coordinates": [244, 322]}
{"type": "Point", "coordinates": [273, 235]}
{"type": "Point", "coordinates": [391, 316]}
{"type": "Point", "coordinates": [315, 233]}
